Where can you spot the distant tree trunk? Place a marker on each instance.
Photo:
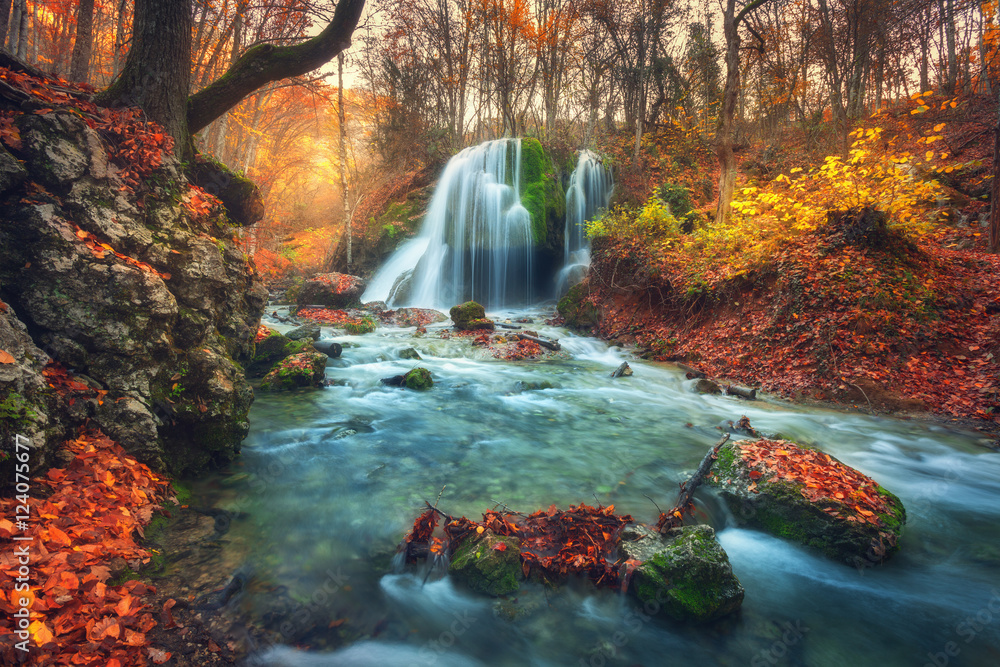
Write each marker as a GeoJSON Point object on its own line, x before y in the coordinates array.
{"type": "Point", "coordinates": [995, 190]}
{"type": "Point", "coordinates": [341, 119]}
{"type": "Point", "coordinates": [79, 67]}
{"type": "Point", "coordinates": [4, 19]}
{"type": "Point", "coordinates": [119, 39]}
{"type": "Point", "coordinates": [727, 114]}
{"type": "Point", "coordinates": [948, 17]}
{"type": "Point", "coordinates": [14, 26]}
{"type": "Point", "coordinates": [22, 33]}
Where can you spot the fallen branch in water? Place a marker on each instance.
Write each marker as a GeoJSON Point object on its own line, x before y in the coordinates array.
{"type": "Point", "coordinates": [675, 517]}
{"type": "Point", "coordinates": [550, 344]}
{"type": "Point", "coordinates": [623, 370]}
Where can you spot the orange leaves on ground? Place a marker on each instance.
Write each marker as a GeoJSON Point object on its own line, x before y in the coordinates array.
{"type": "Point", "coordinates": [329, 316]}
{"type": "Point", "coordinates": [262, 333]}
{"type": "Point", "coordinates": [101, 249]}
{"type": "Point", "coordinates": [845, 492]}
{"type": "Point", "coordinates": [75, 617]}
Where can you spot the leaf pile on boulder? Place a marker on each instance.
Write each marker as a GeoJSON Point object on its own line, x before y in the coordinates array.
{"type": "Point", "coordinates": [810, 497]}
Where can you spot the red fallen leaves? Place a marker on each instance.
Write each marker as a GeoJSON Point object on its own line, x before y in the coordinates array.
{"type": "Point", "coordinates": [101, 249]}
{"type": "Point", "coordinates": [847, 493]}
{"type": "Point", "coordinates": [849, 324]}
{"type": "Point", "coordinates": [330, 316]}
{"type": "Point", "coordinates": [579, 540]}
{"type": "Point", "coordinates": [60, 380]}
{"type": "Point", "coordinates": [97, 504]}
{"type": "Point", "coordinates": [262, 333]}
{"type": "Point", "coordinates": [200, 204]}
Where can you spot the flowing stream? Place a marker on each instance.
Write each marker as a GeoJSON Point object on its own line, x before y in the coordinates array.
{"type": "Point", "coordinates": [330, 481]}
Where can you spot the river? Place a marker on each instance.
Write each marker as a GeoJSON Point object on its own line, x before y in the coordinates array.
{"type": "Point", "coordinates": [330, 480]}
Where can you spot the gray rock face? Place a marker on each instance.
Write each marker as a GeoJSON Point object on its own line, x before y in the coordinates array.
{"type": "Point", "coordinates": [12, 174]}
{"type": "Point", "coordinates": [27, 407]}
{"type": "Point", "coordinates": [153, 304]}
{"type": "Point", "coordinates": [684, 573]}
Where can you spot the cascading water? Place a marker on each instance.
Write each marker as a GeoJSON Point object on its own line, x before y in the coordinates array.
{"type": "Point", "coordinates": [475, 242]}
{"type": "Point", "coordinates": [589, 192]}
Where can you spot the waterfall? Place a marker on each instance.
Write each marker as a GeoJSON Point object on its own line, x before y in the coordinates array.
{"type": "Point", "coordinates": [589, 192]}
{"type": "Point", "coordinates": [475, 241]}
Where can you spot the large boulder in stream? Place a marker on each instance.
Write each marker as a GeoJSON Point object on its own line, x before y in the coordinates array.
{"type": "Point", "coordinates": [299, 370]}
{"type": "Point", "coordinates": [488, 563]}
{"type": "Point", "coordinates": [685, 572]}
{"type": "Point", "coordinates": [469, 316]}
{"type": "Point", "coordinates": [332, 290]}
{"type": "Point", "coordinates": [809, 497]}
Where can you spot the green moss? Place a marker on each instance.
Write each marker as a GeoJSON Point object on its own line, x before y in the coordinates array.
{"type": "Point", "coordinates": [484, 569]}
{"type": "Point", "coordinates": [365, 325]}
{"type": "Point", "coordinates": [577, 312]}
{"type": "Point", "coordinates": [463, 314]}
{"type": "Point", "coordinates": [418, 378]}
{"type": "Point", "coordinates": [541, 190]}
{"type": "Point", "coordinates": [15, 409]}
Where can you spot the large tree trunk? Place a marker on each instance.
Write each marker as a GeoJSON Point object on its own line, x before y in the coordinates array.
{"type": "Point", "coordinates": [157, 71]}
{"type": "Point", "coordinates": [79, 67]}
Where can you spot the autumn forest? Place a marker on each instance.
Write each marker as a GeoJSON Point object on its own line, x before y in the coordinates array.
{"type": "Point", "coordinates": [499, 332]}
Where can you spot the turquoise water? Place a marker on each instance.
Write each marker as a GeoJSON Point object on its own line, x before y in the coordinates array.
{"type": "Point", "coordinates": [330, 480]}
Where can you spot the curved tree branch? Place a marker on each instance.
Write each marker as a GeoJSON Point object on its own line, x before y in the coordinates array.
{"type": "Point", "coordinates": [266, 63]}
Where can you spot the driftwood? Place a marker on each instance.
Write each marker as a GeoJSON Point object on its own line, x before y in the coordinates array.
{"type": "Point", "coordinates": [692, 373]}
{"type": "Point", "coordinates": [675, 517]}
{"type": "Point", "coordinates": [506, 326]}
{"type": "Point", "coordinates": [742, 392]}
{"type": "Point", "coordinates": [624, 369]}
{"type": "Point", "coordinates": [394, 381]}
{"type": "Point", "coordinates": [550, 344]}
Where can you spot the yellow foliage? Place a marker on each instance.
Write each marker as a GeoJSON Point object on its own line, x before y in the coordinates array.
{"type": "Point", "coordinates": [654, 225]}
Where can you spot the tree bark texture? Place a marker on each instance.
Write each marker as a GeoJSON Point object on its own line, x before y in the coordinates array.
{"type": "Point", "coordinates": [83, 45]}
{"type": "Point", "coordinates": [157, 72]}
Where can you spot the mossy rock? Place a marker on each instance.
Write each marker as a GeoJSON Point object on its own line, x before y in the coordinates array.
{"type": "Point", "coordinates": [542, 192]}
{"type": "Point", "coordinates": [273, 349]}
{"type": "Point", "coordinates": [365, 325]}
{"type": "Point", "coordinates": [685, 573]}
{"type": "Point", "coordinates": [418, 378]}
{"type": "Point", "coordinates": [240, 196]}
{"type": "Point", "coordinates": [482, 564]}
{"type": "Point", "coordinates": [577, 313]}
{"type": "Point", "coordinates": [299, 370]}
{"type": "Point", "coordinates": [480, 324]}
{"type": "Point", "coordinates": [780, 508]}
{"type": "Point", "coordinates": [463, 314]}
